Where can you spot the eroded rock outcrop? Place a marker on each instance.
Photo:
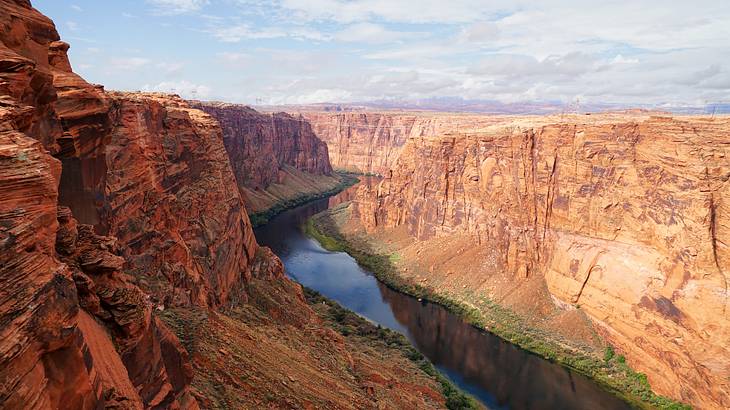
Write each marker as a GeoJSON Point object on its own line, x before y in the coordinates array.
{"type": "Point", "coordinates": [626, 217]}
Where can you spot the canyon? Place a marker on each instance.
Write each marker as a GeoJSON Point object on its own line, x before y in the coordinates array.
{"type": "Point", "coordinates": [370, 142]}
{"type": "Point", "coordinates": [120, 218]}
{"type": "Point", "coordinates": [275, 157]}
{"type": "Point", "coordinates": [612, 226]}
{"type": "Point", "coordinates": [131, 277]}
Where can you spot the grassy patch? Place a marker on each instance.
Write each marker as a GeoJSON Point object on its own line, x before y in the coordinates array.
{"type": "Point", "coordinates": [349, 172]}
{"type": "Point", "coordinates": [610, 371]}
{"type": "Point", "coordinates": [348, 323]}
{"type": "Point", "coordinates": [261, 218]}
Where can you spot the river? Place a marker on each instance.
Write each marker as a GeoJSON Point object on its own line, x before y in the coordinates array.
{"type": "Point", "coordinates": [497, 373]}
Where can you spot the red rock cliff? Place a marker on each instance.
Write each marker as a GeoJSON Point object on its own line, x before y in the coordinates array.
{"type": "Point", "coordinates": [370, 142]}
{"type": "Point", "coordinates": [64, 293]}
{"type": "Point", "coordinates": [170, 196]}
{"type": "Point", "coordinates": [627, 217]}
{"type": "Point", "coordinates": [259, 145]}
{"type": "Point", "coordinates": [146, 169]}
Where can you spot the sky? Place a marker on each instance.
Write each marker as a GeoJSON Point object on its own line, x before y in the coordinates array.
{"type": "Point", "coordinates": [662, 53]}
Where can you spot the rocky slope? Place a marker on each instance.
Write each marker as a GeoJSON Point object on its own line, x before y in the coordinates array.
{"type": "Point", "coordinates": [623, 216]}
{"type": "Point", "coordinates": [266, 150]}
{"type": "Point", "coordinates": [115, 208]}
{"type": "Point", "coordinates": [370, 142]}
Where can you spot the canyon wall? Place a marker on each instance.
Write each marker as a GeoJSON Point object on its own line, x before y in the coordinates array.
{"type": "Point", "coordinates": [370, 142]}
{"type": "Point", "coordinates": [260, 145]}
{"type": "Point", "coordinates": [55, 273]}
{"type": "Point", "coordinates": [120, 214]}
{"type": "Point", "coordinates": [626, 217]}
{"type": "Point", "coordinates": [170, 196]}
{"type": "Point", "coordinates": [77, 321]}
{"type": "Point", "coordinates": [277, 159]}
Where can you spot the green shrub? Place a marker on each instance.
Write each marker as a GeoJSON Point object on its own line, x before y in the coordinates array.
{"type": "Point", "coordinates": [608, 354]}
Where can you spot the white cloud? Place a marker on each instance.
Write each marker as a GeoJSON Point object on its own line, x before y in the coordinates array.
{"type": "Point", "coordinates": [131, 63]}
{"type": "Point", "coordinates": [372, 33]}
{"type": "Point", "coordinates": [178, 6]}
{"type": "Point", "coordinates": [77, 8]}
{"type": "Point", "coordinates": [619, 59]}
{"type": "Point", "coordinates": [409, 11]}
{"type": "Point", "coordinates": [184, 88]}
{"type": "Point", "coordinates": [72, 25]}
{"type": "Point", "coordinates": [170, 68]}
{"type": "Point", "coordinates": [237, 60]}
{"type": "Point", "coordinates": [238, 32]}
{"type": "Point", "coordinates": [647, 51]}
{"type": "Point", "coordinates": [482, 32]}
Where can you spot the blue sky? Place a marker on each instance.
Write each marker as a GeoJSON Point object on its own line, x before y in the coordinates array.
{"type": "Point", "coordinates": [308, 51]}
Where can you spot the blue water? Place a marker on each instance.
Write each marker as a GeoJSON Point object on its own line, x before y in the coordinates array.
{"type": "Point", "coordinates": [498, 374]}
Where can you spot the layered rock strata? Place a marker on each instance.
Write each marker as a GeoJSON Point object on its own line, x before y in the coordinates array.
{"type": "Point", "coordinates": [624, 216]}
{"type": "Point", "coordinates": [260, 145]}
{"type": "Point", "coordinates": [370, 142]}
{"type": "Point", "coordinates": [115, 207]}
{"type": "Point", "coordinates": [65, 296]}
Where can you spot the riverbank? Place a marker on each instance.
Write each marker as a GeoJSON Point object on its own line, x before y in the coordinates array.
{"type": "Point", "coordinates": [604, 366]}
{"type": "Point", "coordinates": [279, 347]}
{"type": "Point", "coordinates": [296, 188]}
{"type": "Point", "coordinates": [351, 325]}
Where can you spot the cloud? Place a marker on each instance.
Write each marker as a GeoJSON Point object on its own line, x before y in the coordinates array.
{"type": "Point", "coordinates": [131, 63]}
{"type": "Point", "coordinates": [238, 32]}
{"type": "Point", "coordinates": [177, 6]}
{"type": "Point", "coordinates": [183, 88]}
{"type": "Point", "coordinates": [372, 33]}
{"type": "Point", "coordinates": [482, 32]}
{"type": "Point", "coordinates": [72, 25]}
{"type": "Point", "coordinates": [406, 11]}
{"type": "Point", "coordinates": [509, 50]}
{"type": "Point", "coordinates": [170, 68]}
{"type": "Point", "coordinates": [77, 8]}
{"type": "Point", "coordinates": [236, 60]}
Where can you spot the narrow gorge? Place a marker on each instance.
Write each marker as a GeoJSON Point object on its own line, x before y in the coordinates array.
{"type": "Point", "coordinates": [158, 252]}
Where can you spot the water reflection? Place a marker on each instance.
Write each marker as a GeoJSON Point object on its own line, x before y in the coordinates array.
{"type": "Point", "coordinates": [513, 378]}
{"type": "Point", "coordinates": [497, 373]}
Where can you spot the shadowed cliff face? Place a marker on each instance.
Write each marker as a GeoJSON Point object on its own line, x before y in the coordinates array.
{"type": "Point", "coordinates": [260, 145]}
{"type": "Point", "coordinates": [626, 217]}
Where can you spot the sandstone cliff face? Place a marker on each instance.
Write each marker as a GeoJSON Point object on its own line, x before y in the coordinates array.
{"type": "Point", "coordinates": [370, 142]}
{"type": "Point", "coordinates": [171, 198]}
{"type": "Point", "coordinates": [118, 208]}
{"type": "Point", "coordinates": [55, 353]}
{"type": "Point", "coordinates": [625, 217]}
{"type": "Point", "coordinates": [260, 145]}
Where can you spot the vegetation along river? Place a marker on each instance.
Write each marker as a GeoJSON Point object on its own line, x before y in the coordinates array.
{"type": "Point", "coordinates": [498, 374]}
